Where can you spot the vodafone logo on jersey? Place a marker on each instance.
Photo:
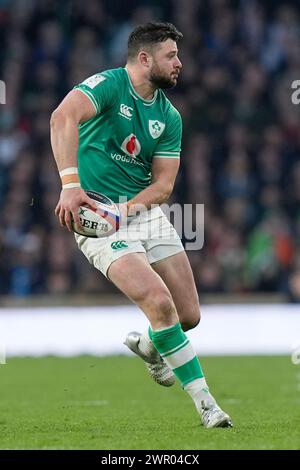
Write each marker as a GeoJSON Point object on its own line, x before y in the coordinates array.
{"type": "Point", "coordinates": [131, 146]}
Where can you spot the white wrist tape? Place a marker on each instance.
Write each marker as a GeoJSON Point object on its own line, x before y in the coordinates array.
{"type": "Point", "coordinates": [71, 185]}
{"type": "Point", "coordinates": [70, 178]}
{"type": "Point", "coordinates": [69, 171]}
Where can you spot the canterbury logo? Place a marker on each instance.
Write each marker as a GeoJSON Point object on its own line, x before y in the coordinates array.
{"type": "Point", "coordinates": [126, 111]}
{"type": "Point", "coordinates": [118, 245]}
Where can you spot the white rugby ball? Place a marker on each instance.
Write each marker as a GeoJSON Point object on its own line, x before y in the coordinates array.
{"type": "Point", "coordinates": [100, 222]}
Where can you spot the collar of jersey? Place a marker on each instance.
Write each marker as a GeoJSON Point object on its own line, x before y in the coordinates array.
{"type": "Point", "coordinates": [136, 95]}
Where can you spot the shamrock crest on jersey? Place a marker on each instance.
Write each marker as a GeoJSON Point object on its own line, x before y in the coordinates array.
{"type": "Point", "coordinates": [131, 146]}
{"type": "Point", "coordinates": [156, 128]}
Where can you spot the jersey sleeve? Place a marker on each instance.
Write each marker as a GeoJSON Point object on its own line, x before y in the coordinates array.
{"type": "Point", "coordinates": [101, 90]}
{"type": "Point", "coordinates": [169, 145]}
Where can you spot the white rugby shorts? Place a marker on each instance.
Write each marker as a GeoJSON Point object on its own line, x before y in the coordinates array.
{"type": "Point", "coordinates": [150, 233]}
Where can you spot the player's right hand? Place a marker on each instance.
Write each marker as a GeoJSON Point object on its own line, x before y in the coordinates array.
{"type": "Point", "coordinates": [69, 202]}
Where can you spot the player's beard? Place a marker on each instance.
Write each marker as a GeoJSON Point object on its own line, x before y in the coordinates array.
{"type": "Point", "coordinates": [159, 79]}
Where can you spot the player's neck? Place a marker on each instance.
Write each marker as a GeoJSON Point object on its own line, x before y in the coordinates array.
{"type": "Point", "coordinates": [142, 86]}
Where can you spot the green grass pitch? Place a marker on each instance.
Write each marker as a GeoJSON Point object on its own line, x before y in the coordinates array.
{"type": "Point", "coordinates": [111, 403]}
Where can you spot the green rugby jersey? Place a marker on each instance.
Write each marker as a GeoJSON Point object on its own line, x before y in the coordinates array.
{"type": "Point", "coordinates": [117, 145]}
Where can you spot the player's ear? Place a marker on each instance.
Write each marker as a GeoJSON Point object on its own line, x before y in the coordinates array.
{"type": "Point", "coordinates": [145, 59]}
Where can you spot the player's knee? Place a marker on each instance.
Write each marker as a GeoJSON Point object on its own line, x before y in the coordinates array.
{"type": "Point", "coordinates": [191, 321]}
{"type": "Point", "coordinates": [158, 304]}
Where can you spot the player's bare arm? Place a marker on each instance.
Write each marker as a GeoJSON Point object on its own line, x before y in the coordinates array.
{"type": "Point", "coordinates": [73, 110]}
{"type": "Point", "coordinates": [164, 172]}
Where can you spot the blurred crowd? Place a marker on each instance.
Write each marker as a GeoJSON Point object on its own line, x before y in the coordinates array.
{"type": "Point", "coordinates": [241, 142]}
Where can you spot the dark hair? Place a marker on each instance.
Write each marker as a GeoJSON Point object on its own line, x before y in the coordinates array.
{"type": "Point", "coordinates": [149, 34]}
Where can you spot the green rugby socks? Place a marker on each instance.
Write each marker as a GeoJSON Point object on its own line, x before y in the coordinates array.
{"type": "Point", "coordinates": [178, 353]}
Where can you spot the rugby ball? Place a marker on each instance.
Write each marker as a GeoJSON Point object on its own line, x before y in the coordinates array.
{"type": "Point", "coordinates": [100, 222]}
